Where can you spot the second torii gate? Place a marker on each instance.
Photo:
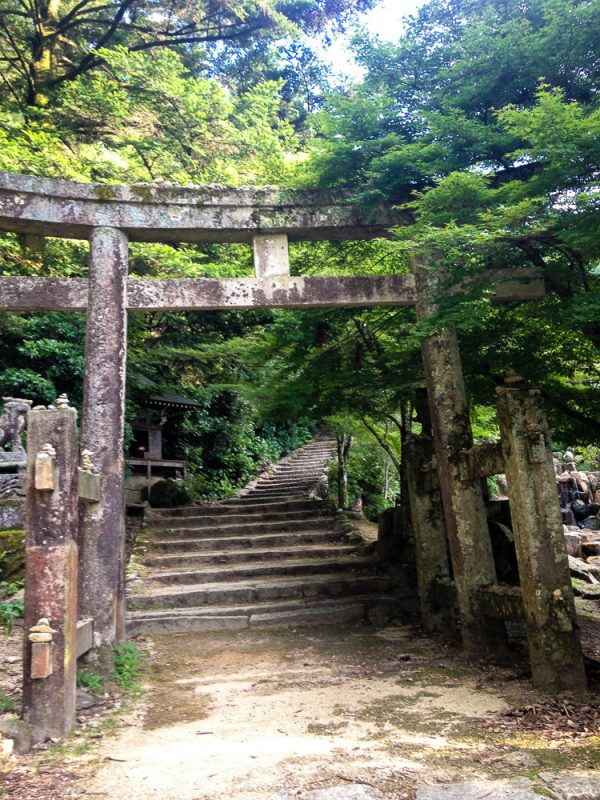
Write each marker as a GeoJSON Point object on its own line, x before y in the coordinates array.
{"type": "Point", "coordinates": [111, 216]}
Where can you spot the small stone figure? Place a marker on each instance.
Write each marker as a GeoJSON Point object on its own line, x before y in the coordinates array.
{"type": "Point", "coordinates": [62, 402]}
{"type": "Point", "coordinates": [87, 465]}
{"type": "Point", "coordinates": [45, 473]}
{"type": "Point", "coordinates": [12, 422]}
{"type": "Point", "coordinates": [42, 632]}
{"type": "Point", "coordinates": [357, 506]}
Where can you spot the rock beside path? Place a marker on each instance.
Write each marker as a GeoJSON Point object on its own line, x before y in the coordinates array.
{"type": "Point", "coordinates": [351, 791]}
{"type": "Point", "coordinates": [513, 789]}
{"type": "Point", "coordinates": [573, 785]}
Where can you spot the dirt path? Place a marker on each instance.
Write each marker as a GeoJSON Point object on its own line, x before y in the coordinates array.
{"type": "Point", "coordinates": [271, 714]}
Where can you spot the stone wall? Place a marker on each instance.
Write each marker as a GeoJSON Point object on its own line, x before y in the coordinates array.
{"type": "Point", "coordinates": [12, 514]}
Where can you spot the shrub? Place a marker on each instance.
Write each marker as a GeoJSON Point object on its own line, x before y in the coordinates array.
{"type": "Point", "coordinates": [127, 667]}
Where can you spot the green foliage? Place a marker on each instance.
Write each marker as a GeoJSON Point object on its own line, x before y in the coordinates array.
{"type": "Point", "coordinates": [589, 458]}
{"type": "Point", "coordinates": [493, 485]}
{"type": "Point", "coordinates": [11, 607]}
{"type": "Point", "coordinates": [91, 681]}
{"type": "Point", "coordinates": [128, 667]}
{"type": "Point", "coordinates": [366, 476]}
{"type": "Point", "coordinates": [482, 128]}
{"type": "Point", "coordinates": [12, 555]}
{"type": "Point", "coordinates": [484, 424]}
{"type": "Point", "coordinates": [226, 444]}
{"type": "Point", "coordinates": [8, 704]}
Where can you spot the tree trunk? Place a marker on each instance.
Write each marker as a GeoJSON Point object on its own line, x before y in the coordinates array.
{"type": "Point", "coordinates": [43, 61]}
{"type": "Point", "coordinates": [403, 472]}
{"type": "Point", "coordinates": [344, 443]}
{"type": "Point", "coordinates": [386, 480]}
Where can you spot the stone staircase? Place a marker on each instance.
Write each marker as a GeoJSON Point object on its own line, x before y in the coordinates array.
{"type": "Point", "coordinates": [270, 557]}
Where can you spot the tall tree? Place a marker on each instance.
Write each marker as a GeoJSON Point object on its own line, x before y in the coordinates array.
{"type": "Point", "coordinates": [482, 121]}
{"type": "Point", "coordinates": [47, 43]}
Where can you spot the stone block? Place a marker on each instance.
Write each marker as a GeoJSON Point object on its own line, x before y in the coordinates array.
{"type": "Point", "coordinates": [513, 789]}
{"type": "Point", "coordinates": [349, 791]}
{"type": "Point", "coordinates": [573, 544]}
{"type": "Point", "coordinates": [580, 785]}
{"type": "Point", "coordinates": [12, 515]}
{"type": "Point", "coordinates": [84, 637]}
{"type": "Point", "coordinates": [271, 255]}
{"type": "Point", "coordinates": [45, 472]}
{"type": "Point", "coordinates": [19, 732]}
{"type": "Point", "coordinates": [41, 659]}
{"type": "Point", "coordinates": [89, 486]}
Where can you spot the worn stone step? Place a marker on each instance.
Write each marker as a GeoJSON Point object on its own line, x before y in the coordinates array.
{"type": "Point", "coordinates": [270, 556]}
{"type": "Point", "coordinates": [304, 475]}
{"type": "Point", "coordinates": [286, 491]}
{"type": "Point", "coordinates": [183, 560]}
{"type": "Point", "coordinates": [277, 504]}
{"type": "Point", "coordinates": [252, 499]}
{"type": "Point", "coordinates": [253, 591]}
{"type": "Point", "coordinates": [204, 520]}
{"type": "Point", "coordinates": [247, 528]}
{"type": "Point", "coordinates": [235, 542]}
{"type": "Point", "coordinates": [231, 507]}
{"type": "Point", "coordinates": [306, 457]}
{"type": "Point", "coordinates": [237, 572]}
{"type": "Point", "coordinates": [278, 614]}
{"type": "Point", "coordinates": [288, 483]}
{"type": "Point", "coordinates": [304, 465]}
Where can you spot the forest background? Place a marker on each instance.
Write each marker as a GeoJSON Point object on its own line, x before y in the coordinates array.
{"type": "Point", "coordinates": [481, 118]}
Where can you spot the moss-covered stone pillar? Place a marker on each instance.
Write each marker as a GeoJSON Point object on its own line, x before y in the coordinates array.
{"type": "Point", "coordinates": [103, 523]}
{"type": "Point", "coordinates": [463, 503]}
{"type": "Point", "coordinates": [429, 530]}
{"type": "Point", "coordinates": [554, 646]}
{"type": "Point", "coordinates": [49, 664]}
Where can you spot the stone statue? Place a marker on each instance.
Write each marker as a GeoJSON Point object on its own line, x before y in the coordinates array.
{"type": "Point", "coordinates": [12, 422]}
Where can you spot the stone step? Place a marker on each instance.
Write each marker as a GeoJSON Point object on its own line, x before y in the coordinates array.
{"type": "Point", "coordinates": [262, 615]}
{"type": "Point", "coordinates": [270, 556]}
{"type": "Point", "coordinates": [183, 560]}
{"type": "Point", "coordinates": [229, 507]}
{"type": "Point", "coordinates": [204, 520]}
{"type": "Point", "coordinates": [247, 528]}
{"type": "Point", "coordinates": [288, 483]}
{"type": "Point", "coordinates": [252, 499]}
{"type": "Point", "coordinates": [305, 475]}
{"type": "Point", "coordinates": [255, 591]}
{"type": "Point", "coordinates": [296, 490]}
{"type": "Point", "coordinates": [262, 540]}
{"type": "Point", "coordinates": [275, 569]}
{"type": "Point", "coordinates": [306, 472]}
{"type": "Point", "coordinates": [305, 463]}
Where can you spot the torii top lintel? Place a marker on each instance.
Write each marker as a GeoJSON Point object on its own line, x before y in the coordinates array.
{"type": "Point", "coordinates": [266, 217]}
{"type": "Point", "coordinates": [159, 212]}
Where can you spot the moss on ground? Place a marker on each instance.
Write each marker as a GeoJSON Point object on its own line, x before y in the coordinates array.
{"type": "Point", "coordinates": [12, 555]}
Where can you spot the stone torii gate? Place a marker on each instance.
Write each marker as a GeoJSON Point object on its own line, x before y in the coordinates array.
{"type": "Point", "coordinates": [111, 216]}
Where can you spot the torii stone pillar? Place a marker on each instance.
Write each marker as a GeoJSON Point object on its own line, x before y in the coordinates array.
{"type": "Point", "coordinates": [49, 662]}
{"type": "Point", "coordinates": [463, 503]}
{"type": "Point", "coordinates": [103, 524]}
{"type": "Point", "coordinates": [431, 543]}
{"type": "Point", "coordinates": [550, 619]}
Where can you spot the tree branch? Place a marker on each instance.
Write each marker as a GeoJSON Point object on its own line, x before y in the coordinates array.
{"type": "Point", "coordinates": [591, 423]}
{"type": "Point", "coordinates": [382, 443]}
